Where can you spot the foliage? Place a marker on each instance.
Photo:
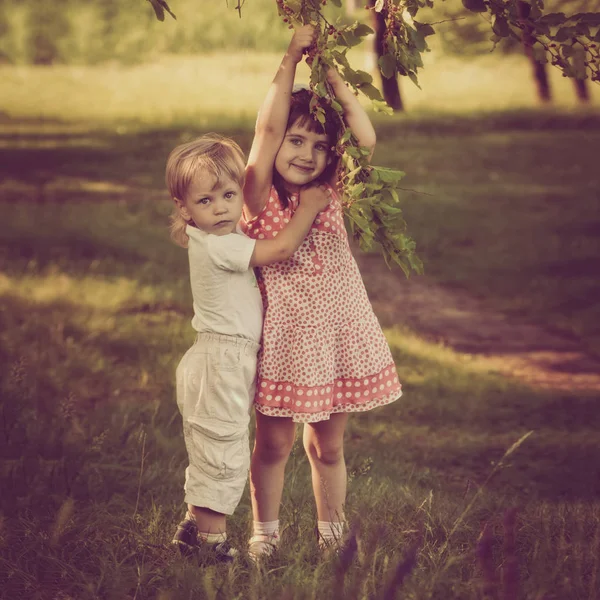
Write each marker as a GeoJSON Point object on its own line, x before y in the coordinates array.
{"type": "Point", "coordinates": [110, 31]}
{"type": "Point", "coordinates": [371, 204]}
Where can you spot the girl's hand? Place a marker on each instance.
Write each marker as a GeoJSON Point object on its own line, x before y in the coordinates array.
{"type": "Point", "coordinates": [333, 77]}
{"type": "Point", "coordinates": [304, 38]}
{"type": "Point", "coordinates": [316, 197]}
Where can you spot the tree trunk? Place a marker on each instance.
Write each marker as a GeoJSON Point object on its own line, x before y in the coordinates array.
{"type": "Point", "coordinates": [582, 91]}
{"type": "Point", "coordinates": [581, 86]}
{"type": "Point", "coordinates": [389, 87]}
{"type": "Point", "coordinates": [540, 73]}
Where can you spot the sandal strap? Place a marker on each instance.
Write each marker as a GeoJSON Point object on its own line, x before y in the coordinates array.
{"type": "Point", "coordinates": [261, 538]}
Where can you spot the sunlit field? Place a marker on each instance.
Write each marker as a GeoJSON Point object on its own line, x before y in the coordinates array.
{"type": "Point", "coordinates": [471, 486]}
{"type": "Point", "coordinates": [227, 88]}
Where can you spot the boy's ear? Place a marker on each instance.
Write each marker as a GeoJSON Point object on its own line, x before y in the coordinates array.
{"type": "Point", "coordinates": [183, 211]}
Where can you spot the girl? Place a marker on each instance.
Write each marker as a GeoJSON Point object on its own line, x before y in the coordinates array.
{"type": "Point", "coordinates": [215, 378]}
{"type": "Point", "coordinates": [323, 352]}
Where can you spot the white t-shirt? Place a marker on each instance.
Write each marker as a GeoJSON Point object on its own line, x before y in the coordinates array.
{"type": "Point", "coordinates": [226, 296]}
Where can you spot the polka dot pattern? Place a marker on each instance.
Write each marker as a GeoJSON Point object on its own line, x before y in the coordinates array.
{"type": "Point", "coordinates": [323, 350]}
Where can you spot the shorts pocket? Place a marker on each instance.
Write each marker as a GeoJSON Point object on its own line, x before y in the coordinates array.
{"type": "Point", "coordinates": [219, 450]}
{"type": "Point", "coordinates": [226, 358]}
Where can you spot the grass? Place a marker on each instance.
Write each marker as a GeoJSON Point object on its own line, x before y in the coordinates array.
{"type": "Point", "coordinates": [95, 315]}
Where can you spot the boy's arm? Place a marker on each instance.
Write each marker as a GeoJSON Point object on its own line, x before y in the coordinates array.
{"type": "Point", "coordinates": [354, 113]}
{"type": "Point", "coordinates": [271, 124]}
{"type": "Point", "coordinates": [312, 201]}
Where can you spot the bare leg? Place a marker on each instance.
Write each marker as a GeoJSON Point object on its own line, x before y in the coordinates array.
{"type": "Point", "coordinates": [272, 447]}
{"type": "Point", "coordinates": [207, 520]}
{"type": "Point", "coordinates": [324, 445]}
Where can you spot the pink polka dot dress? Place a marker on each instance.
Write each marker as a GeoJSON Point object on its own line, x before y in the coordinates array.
{"type": "Point", "coordinates": [323, 350]}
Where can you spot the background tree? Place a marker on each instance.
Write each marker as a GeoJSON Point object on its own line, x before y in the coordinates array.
{"type": "Point", "coordinates": [467, 32]}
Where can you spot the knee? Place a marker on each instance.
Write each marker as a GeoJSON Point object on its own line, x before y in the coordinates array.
{"type": "Point", "coordinates": [273, 448]}
{"type": "Point", "coordinates": [326, 453]}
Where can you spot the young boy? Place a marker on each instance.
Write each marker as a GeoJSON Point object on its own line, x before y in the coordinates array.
{"type": "Point", "coordinates": [216, 376]}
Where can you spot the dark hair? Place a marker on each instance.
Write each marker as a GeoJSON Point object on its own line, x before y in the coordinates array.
{"type": "Point", "coordinates": [300, 115]}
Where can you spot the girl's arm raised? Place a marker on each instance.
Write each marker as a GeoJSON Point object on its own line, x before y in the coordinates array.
{"type": "Point", "coordinates": [354, 113]}
{"type": "Point", "coordinates": [271, 124]}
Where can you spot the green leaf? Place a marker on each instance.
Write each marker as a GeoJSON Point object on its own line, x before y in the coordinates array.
{"type": "Point", "coordinates": [582, 30]}
{"type": "Point", "coordinates": [364, 77]}
{"type": "Point", "coordinates": [475, 5]}
{"type": "Point", "coordinates": [563, 34]}
{"type": "Point", "coordinates": [321, 117]}
{"type": "Point", "coordinates": [337, 106]}
{"type": "Point", "coordinates": [365, 241]}
{"type": "Point", "coordinates": [347, 38]}
{"type": "Point", "coordinates": [500, 26]}
{"type": "Point", "coordinates": [346, 135]}
{"type": "Point", "coordinates": [321, 89]}
{"type": "Point", "coordinates": [387, 64]}
{"type": "Point", "coordinates": [379, 4]}
{"type": "Point", "coordinates": [159, 11]}
{"type": "Point", "coordinates": [361, 30]}
{"type": "Point", "coordinates": [370, 91]}
{"type": "Point", "coordinates": [160, 6]}
{"type": "Point", "coordinates": [424, 29]}
{"type": "Point", "coordinates": [413, 77]}
{"type": "Point", "coordinates": [590, 19]}
{"type": "Point", "coordinates": [340, 57]}
{"type": "Point", "coordinates": [392, 195]}
{"type": "Point", "coordinates": [353, 152]}
{"type": "Point", "coordinates": [389, 175]}
{"type": "Point", "coordinates": [356, 190]}
{"type": "Point", "coordinates": [382, 107]}
{"type": "Point", "coordinates": [553, 19]}
{"type": "Point", "coordinates": [417, 38]}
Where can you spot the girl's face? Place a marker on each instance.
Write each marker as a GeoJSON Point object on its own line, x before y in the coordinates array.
{"type": "Point", "coordinates": [302, 157]}
{"type": "Point", "coordinates": [214, 206]}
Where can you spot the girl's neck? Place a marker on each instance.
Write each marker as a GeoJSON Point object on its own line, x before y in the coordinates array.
{"type": "Point", "coordinates": [291, 189]}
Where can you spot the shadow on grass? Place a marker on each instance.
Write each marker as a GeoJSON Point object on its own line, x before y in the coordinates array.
{"type": "Point", "coordinates": [455, 421]}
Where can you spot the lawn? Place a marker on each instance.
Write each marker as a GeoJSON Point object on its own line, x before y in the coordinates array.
{"type": "Point", "coordinates": [95, 314]}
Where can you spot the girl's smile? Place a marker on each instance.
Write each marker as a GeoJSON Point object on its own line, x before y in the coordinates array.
{"type": "Point", "coordinates": [303, 156]}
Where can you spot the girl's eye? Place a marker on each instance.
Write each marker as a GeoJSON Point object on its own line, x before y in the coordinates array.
{"type": "Point", "coordinates": [204, 201]}
{"type": "Point", "coordinates": [296, 142]}
{"type": "Point", "coordinates": [321, 147]}
{"type": "Point", "coordinates": [229, 195]}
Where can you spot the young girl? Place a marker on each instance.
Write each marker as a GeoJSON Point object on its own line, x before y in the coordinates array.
{"type": "Point", "coordinates": [323, 353]}
{"type": "Point", "coordinates": [216, 377]}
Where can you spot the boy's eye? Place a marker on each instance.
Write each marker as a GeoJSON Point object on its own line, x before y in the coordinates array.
{"type": "Point", "coordinates": [204, 201]}
{"type": "Point", "coordinates": [229, 195]}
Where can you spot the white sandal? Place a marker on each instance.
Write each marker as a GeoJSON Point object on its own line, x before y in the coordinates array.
{"type": "Point", "coordinates": [262, 546]}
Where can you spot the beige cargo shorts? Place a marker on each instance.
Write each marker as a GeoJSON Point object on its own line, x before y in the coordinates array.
{"type": "Point", "coordinates": [215, 391]}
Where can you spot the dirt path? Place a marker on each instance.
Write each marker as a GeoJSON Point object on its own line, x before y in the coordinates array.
{"type": "Point", "coordinates": [529, 353]}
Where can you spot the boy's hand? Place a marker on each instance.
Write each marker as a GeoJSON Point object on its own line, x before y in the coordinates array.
{"type": "Point", "coordinates": [316, 197]}
{"type": "Point", "coordinates": [304, 38]}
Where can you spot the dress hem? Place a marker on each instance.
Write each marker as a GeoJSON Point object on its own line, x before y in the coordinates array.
{"type": "Point", "coordinates": [276, 411]}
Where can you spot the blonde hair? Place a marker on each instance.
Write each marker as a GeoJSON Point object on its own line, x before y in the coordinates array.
{"type": "Point", "coordinates": [213, 154]}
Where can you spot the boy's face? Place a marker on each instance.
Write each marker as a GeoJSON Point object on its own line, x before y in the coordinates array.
{"type": "Point", "coordinates": [214, 206]}
{"type": "Point", "coordinates": [303, 155]}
